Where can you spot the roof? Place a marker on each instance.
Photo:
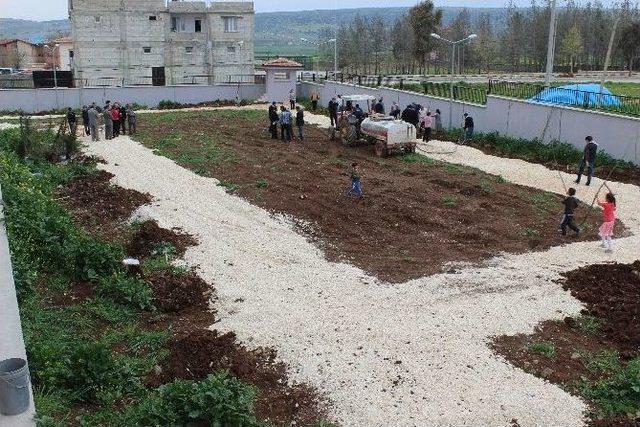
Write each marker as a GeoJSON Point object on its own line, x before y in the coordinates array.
{"type": "Point", "coordinates": [9, 41]}
{"type": "Point", "coordinates": [282, 63]}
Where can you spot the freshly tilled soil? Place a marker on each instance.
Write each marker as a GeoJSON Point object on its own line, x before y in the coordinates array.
{"type": "Point", "coordinates": [417, 216]}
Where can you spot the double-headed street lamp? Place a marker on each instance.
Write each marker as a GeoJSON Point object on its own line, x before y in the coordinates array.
{"type": "Point", "coordinates": [453, 65]}
{"type": "Point", "coordinates": [335, 52]}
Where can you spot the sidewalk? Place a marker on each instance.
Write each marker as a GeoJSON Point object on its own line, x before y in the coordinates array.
{"type": "Point", "coordinates": [11, 340]}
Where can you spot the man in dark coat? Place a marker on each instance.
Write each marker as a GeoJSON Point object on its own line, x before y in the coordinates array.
{"type": "Point", "coordinates": [123, 119]}
{"type": "Point", "coordinates": [588, 160]}
{"type": "Point", "coordinates": [273, 120]}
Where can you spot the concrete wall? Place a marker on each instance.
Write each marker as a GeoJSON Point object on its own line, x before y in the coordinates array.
{"type": "Point", "coordinates": [36, 100]}
{"type": "Point", "coordinates": [617, 135]}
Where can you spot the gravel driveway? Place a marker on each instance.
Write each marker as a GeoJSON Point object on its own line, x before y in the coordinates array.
{"type": "Point", "coordinates": [413, 354]}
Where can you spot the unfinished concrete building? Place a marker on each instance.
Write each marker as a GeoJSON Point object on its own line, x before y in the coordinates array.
{"type": "Point", "coordinates": [145, 42]}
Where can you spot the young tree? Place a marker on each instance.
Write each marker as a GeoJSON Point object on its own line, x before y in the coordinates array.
{"type": "Point", "coordinates": [630, 43]}
{"type": "Point", "coordinates": [424, 19]}
{"type": "Point", "coordinates": [402, 44]}
{"type": "Point", "coordinates": [572, 45]}
{"type": "Point", "coordinates": [484, 48]}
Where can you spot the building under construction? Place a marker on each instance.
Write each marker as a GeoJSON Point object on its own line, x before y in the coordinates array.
{"type": "Point", "coordinates": [145, 42]}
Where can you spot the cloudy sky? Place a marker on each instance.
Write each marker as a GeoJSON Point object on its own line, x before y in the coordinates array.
{"type": "Point", "coordinates": [57, 9]}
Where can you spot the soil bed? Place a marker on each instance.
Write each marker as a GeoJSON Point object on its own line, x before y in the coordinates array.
{"type": "Point", "coordinates": [100, 208]}
{"type": "Point", "coordinates": [588, 349]}
{"type": "Point", "coordinates": [196, 355]}
{"type": "Point", "coordinates": [417, 215]}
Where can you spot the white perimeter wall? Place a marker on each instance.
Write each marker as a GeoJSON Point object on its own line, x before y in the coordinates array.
{"type": "Point", "coordinates": [36, 100]}
{"type": "Point", "coordinates": [617, 135]}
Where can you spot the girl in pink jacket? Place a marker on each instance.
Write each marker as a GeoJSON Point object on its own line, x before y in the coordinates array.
{"type": "Point", "coordinates": [608, 222]}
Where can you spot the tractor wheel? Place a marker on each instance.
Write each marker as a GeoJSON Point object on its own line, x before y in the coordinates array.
{"type": "Point", "coordinates": [381, 149]}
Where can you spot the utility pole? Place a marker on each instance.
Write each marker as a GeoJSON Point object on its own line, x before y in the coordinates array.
{"type": "Point", "coordinates": [607, 60]}
{"type": "Point", "coordinates": [551, 49]}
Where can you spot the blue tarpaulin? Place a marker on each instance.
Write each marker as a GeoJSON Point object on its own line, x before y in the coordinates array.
{"type": "Point", "coordinates": [585, 95]}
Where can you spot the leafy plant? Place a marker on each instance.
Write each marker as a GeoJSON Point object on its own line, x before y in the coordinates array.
{"type": "Point", "coordinates": [262, 183]}
{"type": "Point", "coordinates": [127, 291]}
{"type": "Point", "coordinates": [617, 395]}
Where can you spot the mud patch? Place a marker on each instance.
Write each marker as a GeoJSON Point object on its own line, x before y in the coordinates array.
{"type": "Point", "coordinates": [176, 292]}
{"type": "Point", "coordinates": [611, 292]}
{"type": "Point", "coordinates": [100, 208]}
{"type": "Point", "coordinates": [202, 352]}
{"type": "Point", "coordinates": [148, 237]}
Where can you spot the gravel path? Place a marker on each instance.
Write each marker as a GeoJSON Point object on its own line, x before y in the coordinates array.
{"type": "Point", "coordinates": [404, 355]}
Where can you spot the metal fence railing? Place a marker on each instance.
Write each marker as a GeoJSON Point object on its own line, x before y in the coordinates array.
{"type": "Point", "coordinates": [27, 82]}
{"type": "Point", "coordinates": [618, 104]}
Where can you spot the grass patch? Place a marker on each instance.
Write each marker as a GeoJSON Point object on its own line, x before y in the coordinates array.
{"type": "Point", "coordinates": [589, 325]}
{"type": "Point", "coordinates": [229, 186]}
{"type": "Point", "coordinates": [262, 183]}
{"type": "Point", "coordinates": [545, 349]}
{"type": "Point", "coordinates": [417, 158]}
{"type": "Point", "coordinates": [450, 201]}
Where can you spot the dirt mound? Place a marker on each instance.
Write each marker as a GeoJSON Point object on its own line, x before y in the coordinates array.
{"type": "Point", "coordinates": [612, 293]}
{"type": "Point", "coordinates": [564, 352]}
{"type": "Point", "coordinates": [176, 292]}
{"type": "Point", "coordinates": [99, 207]}
{"type": "Point", "coordinates": [149, 236]}
{"type": "Point", "coordinates": [203, 352]}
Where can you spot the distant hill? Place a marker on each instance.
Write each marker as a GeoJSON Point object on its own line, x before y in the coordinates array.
{"type": "Point", "coordinates": [31, 30]}
{"type": "Point", "coordinates": [277, 31]}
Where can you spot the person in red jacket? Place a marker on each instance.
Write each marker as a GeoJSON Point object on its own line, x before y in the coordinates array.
{"type": "Point", "coordinates": [608, 221]}
{"type": "Point", "coordinates": [115, 117]}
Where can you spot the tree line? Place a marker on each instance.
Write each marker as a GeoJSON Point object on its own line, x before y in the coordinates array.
{"type": "Point", "coordinates": [516, 42]}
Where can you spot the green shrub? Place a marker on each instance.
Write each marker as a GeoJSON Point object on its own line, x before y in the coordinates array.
{"type": "Point", "coordinates": [93, 371]}
{"type": "Point", "coordinates": [218, 400]}
{"type": "Point", "coordinates": [125, 290]}
{"type": "Point", "coordinates": [617, 395]}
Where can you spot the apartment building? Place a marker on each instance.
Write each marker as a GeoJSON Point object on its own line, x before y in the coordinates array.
{"type": "Point", "coordinates": [143, 42]}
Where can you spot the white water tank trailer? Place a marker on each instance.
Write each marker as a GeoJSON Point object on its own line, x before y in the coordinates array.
{"type": "Point", "coordinates": [390, 135]}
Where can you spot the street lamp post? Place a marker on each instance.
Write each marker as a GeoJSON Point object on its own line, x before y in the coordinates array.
{"type": "Point", "coordinates": [453, 65]}
{"type": "Point", "coordinates": [55, 68]}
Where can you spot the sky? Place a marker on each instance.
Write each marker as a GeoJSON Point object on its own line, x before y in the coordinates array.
{"type": "Point", "coordinates": [57, 9]}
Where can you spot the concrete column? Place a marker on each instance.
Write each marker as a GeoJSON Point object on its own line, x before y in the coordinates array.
{"type": "Point", "coordinates": [11, 339]}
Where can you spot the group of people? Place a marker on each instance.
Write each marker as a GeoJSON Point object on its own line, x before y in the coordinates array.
{"type": "Point", "coordinates": [284, 120]}
{"type": "Point", "coordinates": [117, 119]}
{"type": "Point", "coordinates": [609, 204]}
